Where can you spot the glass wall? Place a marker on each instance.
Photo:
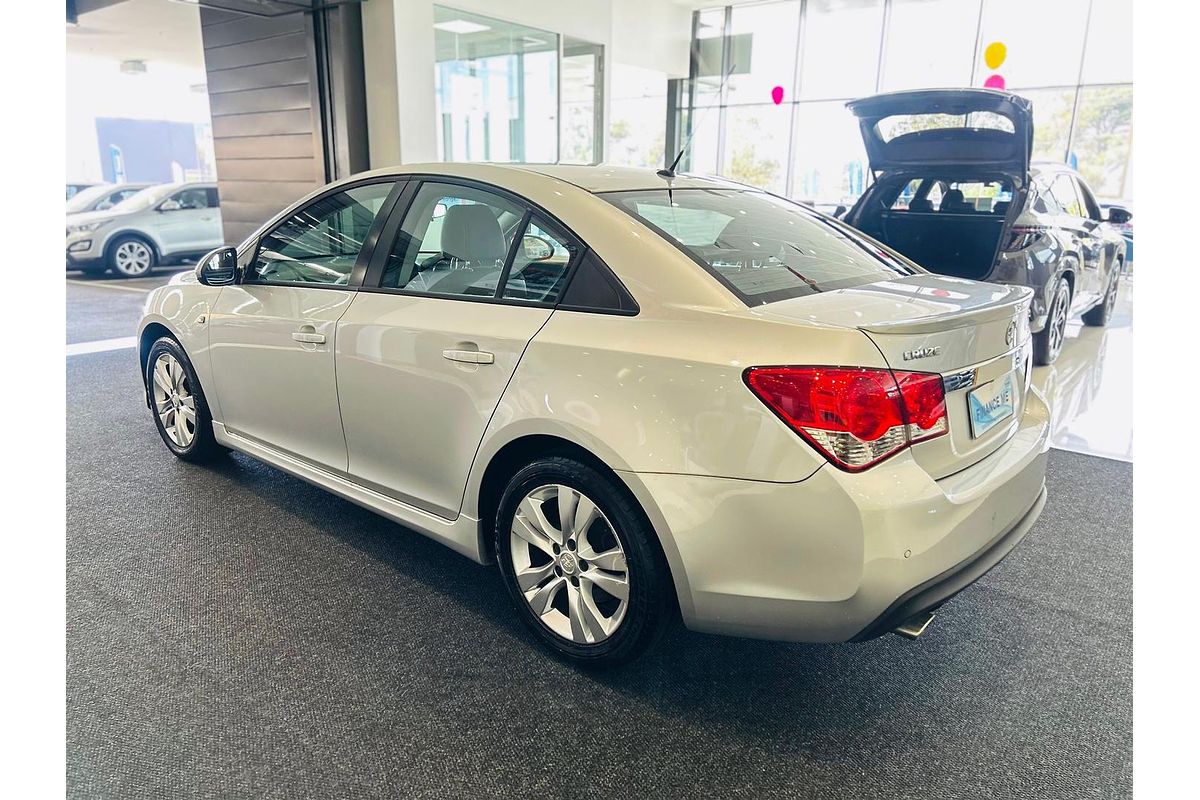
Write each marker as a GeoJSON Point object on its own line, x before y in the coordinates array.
{"type": "Point", "coordinates": [779, 119]}
{"type": "Point", "coordinates": [509, 92]}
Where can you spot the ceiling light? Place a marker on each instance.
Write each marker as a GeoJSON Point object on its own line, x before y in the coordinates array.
{"type": "Point", "coordinates": [461, 26]}
{"type": "Point", "coordinates": [133, 66]}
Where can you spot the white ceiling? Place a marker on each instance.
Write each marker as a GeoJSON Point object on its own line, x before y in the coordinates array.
{"type": "Point", "coordinates": [151, 30]}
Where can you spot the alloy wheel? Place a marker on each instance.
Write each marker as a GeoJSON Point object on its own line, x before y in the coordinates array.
{"type": "Point", "coordinates": [1058, 323]}
{"type": "Point", "coordinates": [132, 258]}
{"type": "Point", "coordinates": [569, 564]}
{"type": "Point", "coordinates": [173, 400]}
{"type": "Point", "coordinates": [1110, 301]}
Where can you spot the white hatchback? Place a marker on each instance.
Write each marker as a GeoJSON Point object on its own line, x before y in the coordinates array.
{"type": "Point", "coordinates": [636, 393]}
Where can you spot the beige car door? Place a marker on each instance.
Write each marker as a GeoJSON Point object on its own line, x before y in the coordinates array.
{"type": "Point", "coordinates": [427, 348]}
{"type": "Point", "coordinates": [272, 336]}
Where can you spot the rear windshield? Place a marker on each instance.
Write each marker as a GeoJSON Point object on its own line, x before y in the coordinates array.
{"type": "Point", "coordinates": [889, 128]}
{"type": "Point", "coordinates": [762, 247]}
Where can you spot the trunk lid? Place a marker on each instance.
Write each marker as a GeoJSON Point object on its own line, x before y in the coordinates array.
{"type": "Point", "coordinates": [947, 127]}
{"type": "Point", "coordinates": [975, 335]}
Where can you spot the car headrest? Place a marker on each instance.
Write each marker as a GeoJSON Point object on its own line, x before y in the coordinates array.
{"type": "Point", "coordinates": [920, 206]}
{"type": "Point", "coordinates": [472, 233]}
{"type": "Point", "coordinates": [954, 201]}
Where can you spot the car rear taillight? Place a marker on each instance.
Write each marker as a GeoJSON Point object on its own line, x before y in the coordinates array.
{"type": "Point", "coordinates": [855, 416]}
{"type": "Point", "coordinates": [1021, 236]}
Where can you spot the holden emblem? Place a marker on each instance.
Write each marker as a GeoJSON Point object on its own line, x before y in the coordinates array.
{"type": "Point", "coordinates": [1010, 335]}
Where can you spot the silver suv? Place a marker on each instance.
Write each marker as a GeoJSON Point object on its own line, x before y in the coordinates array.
{"type": "Point", "coordinates": [160, 224]}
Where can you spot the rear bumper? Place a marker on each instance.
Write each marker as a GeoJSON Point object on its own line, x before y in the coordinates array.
{"type": "Point", "coordinates": [931, 594]}
{"type": "Point", "coordinates": [838, 556]}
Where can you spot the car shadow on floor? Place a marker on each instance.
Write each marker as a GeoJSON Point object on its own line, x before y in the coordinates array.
{"type": "Point", "coordinates": [760, 688]}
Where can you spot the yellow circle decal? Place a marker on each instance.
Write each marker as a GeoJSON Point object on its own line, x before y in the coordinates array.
{"type": "Point", "coordinates": [994, 55]}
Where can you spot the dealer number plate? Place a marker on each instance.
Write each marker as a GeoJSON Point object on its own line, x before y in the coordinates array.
{"type": "Point", "coordinates": [991, 404]}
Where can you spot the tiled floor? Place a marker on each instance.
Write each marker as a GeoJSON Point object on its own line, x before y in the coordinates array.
{"type": "Point", "coordinates": [1090, 386]}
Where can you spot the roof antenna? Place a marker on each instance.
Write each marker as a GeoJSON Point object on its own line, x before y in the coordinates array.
{"type": "Point", "coordinates": [669, 172]}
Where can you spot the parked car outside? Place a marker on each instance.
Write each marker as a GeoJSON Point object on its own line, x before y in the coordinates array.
{"type": "Point", "coordinates": [639, 396]}
{"type": "Point", "coordinates": [164, 223]}
{"type": "Point", "coordinates": [75, 188]}
{"type": "Point", "coordinates": [102, 197]}
{"type": "Point", "coordinates": [956, 192]}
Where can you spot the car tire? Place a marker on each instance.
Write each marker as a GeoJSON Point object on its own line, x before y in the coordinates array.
{"type": "Point", "coordinates": [580, 613]}
{"type": "Point", "coordinates": [132, 257]}
{"type": "Point", "coordinates": [1048, 342]}
{"type": "Point", "coordinates": [178, 404]}
{"type": "Point", "coordinates": [1099, 315]}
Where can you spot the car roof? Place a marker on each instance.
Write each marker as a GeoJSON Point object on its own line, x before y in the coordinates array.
{"type": "Point", "coordinates": [593, 178]}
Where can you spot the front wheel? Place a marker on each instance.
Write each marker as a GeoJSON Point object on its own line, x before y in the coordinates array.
{"type": "Point", "coordinates": [1048, 342]}
{"type": "Point", "coordinates": [131, 257]}
{"type": "Point", "coordinates": [581, 563]}
{"type": "Point", "coordinates": [180, 409]}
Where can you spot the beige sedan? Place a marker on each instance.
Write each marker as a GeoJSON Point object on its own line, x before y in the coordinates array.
{"type": "Point", "coordinates": [640, 395]}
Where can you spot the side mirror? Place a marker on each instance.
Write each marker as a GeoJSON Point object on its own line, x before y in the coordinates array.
{"type": "Point", "coordinates": [169, 205]}
{"type": "Point", "coordinates": [536, 248]}
{"type": "Point", "coordinates": [838, 212]}
{"type": "Point", "coordinates": [1119, 215]}
{"type": "Point", "coordinates": [218, 268]}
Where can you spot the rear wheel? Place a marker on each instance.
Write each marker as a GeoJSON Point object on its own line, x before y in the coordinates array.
{"type": "Point", "coordinates": [180, 409]}
{"type": "Point", "coordinates": [132, 257]}
{"type": "Point", "coordinates": [1048, 342]}
{"type": "Point", "coordinates": [581, 563]}
{"type": "Point", "coordinates": [1099, 315]}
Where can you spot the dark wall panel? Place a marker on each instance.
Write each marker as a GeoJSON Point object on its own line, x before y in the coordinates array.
{"type": "Point", "coordinates": [291, 146]}
{"type": "Point", "coordinates": [266, 131]}
{"type": "Point", "coordinates": [281, 73]}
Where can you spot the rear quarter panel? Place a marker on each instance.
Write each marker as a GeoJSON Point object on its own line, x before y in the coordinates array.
{"type": "Point", "coordinates": [665, 394]}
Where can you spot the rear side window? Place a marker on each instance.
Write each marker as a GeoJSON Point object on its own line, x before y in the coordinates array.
{"type": "Point", "coordinates": [762, 247]}
{"type": "Point", "coordinates": [454, 240]}
{"type": "Point", "coordinates": [540, 264]}
{"type": "Point", "coordinates": [1063, 190]}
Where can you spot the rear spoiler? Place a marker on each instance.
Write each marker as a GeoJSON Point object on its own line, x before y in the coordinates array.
{"type": "Point", "coordinates": [1016, 298]}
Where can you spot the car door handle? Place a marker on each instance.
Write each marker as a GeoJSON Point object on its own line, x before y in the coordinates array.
{"type": "Point", "coordinates": [309, 337]}
{"type": "Point", "coordinates": [469, 356]}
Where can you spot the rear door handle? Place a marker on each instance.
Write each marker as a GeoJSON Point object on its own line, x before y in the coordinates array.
{"type": "Point", "coordinates": [469, 356]}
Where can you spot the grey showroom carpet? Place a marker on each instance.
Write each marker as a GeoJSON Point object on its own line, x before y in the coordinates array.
{"type": "Point", "coordinates": [233, 632]}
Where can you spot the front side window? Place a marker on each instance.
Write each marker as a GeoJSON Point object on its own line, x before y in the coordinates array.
{"type": "Point", "coordinates": [454, 240]}
{"type": "Point", "coordinates": [320, 243]}
{"type": "Point", "coordinates": [190, 199]}
{"type": "Point", "coordinates": [762, 247]}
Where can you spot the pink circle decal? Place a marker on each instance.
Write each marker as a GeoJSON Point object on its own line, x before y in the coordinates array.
{"type": "Point", "coordinates": [777, 94]}
{"type": "Point", "coordinates": [994, 82]}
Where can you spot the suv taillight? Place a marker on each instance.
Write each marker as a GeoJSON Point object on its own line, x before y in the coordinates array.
{"type": "Point", "coordinates": [1021, 236]}
{"type": "Point", "coordinates": [855, 416]}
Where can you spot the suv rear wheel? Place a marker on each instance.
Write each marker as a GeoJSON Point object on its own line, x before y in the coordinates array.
{"type": "Point", "coordinates": [1100, 314]}
{"type": "Point", "coordinates": [1048, 342]}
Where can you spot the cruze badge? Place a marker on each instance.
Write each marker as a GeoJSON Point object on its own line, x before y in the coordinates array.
{"type": "Point", "coordinates": [921, 352]}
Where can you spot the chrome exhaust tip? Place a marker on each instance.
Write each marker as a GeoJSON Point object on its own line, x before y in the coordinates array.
{"type": "Point", "coordinates": [914, 626]}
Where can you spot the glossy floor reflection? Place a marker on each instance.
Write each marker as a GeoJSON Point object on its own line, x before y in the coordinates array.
{"type": "Point", "coordinates": [1090, 387]}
